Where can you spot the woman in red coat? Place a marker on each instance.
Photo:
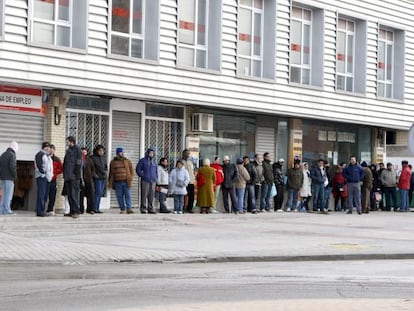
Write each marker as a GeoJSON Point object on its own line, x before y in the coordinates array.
{"type": "Point", "coordinates": [218, 169]}
{"type": "Point", "coordinates": [339, 189]}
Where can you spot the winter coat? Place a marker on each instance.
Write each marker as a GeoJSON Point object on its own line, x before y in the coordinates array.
{"type": "Point", "coordinates": [205, 194]}
{"type": "Point", "coordinates": [353, 173]}
{"type": "Point", "coordinates": [162, 178]}
{"type": "Point", "coordinates": [72, 163]}
{"type": "Point", "coordinates": [389, 178]}
{"type": "Point", "coordinates": [8, 165]}
{"type": "Point", "coordinates": [338, 183]}
{"type": "Point", "coordinates": [230, 175]}
{"type": "Point", "coordinates": [267, 172]}
{"type": "Point", "coordinates": [259, 170]}
{"type": "Point", "coordinates": [88, 170]}
{"type": "Point", "coordinates": [295, 178]}
{"type": "Point", "coordinates": [218, 170]}
{"type": "Point", "coordinates": [244, 177]}
{"type": "Point", "coordinates": [317, 177]}
{"type": "Point", "coordinates": [101, 168]}
{"type": "Point", "coordinates": [367, 180]}
{"type": "Point", "coordinates": [306, 191]}
{"type": "Point", "coordinates": [189, 166]}
{"type": "Point", "coordinates": [57, 167]}
{"type": "Point", "coordinates": [277, 174]}
{"type": "Point", "coordinates": [43, 165]}
{"type": "Point", "coordinates": [405, 178]}
{"type": "Point", "coordinates": [147, 168]}
{"type": "Point", "coordinates": [179, 180]}
{"type": "Point", "coordinates": [120, 169]}
{"type": "Point", "coordinates": [252, 173]}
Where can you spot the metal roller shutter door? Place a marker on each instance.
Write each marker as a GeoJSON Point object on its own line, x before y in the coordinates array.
{"type": "Point", "coordinates": [27, 130]}
{"type": "Point", "coordinates": [126, 133]}
{"type": "Point", "coordinates": [265, 140]}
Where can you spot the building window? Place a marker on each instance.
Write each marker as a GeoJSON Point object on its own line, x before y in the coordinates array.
{"type": "Point", "coordinates": [134, 28]}
{"type": "Point", "coordinates": [345, 43]}
{"type": "Point", "coordinates": [306, 46]}
{"type": "Point", "coordinates": [61, 23]}
{"type": "Point", "coordinates": [390, 63]}
{"type": "Point", "coordinates": [1, 19]}
{"type": "Point", "coordinates": [256, 47]}
{"type": "Point", "coordinates": [199, 33]}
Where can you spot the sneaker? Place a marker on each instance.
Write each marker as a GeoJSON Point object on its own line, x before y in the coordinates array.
{"type": "Point", "coordinates": [123, 212]}
{"type": "Point", "coordinates": [180, 212]}
{"type": "Point", "coordinates": [129, 211]}
{"type": "Point", "coordinates": [52, 213]}
{"type": "Point", "coordinates": [288, 209]}
{"type": "Point", "coordinates": [175, 212]}
{"type": "Point", "coordinates": [349, 212]}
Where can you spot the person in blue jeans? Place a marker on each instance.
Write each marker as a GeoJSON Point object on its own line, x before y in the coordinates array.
{"type": "Point", "coordinates": [179, 180]}
{"type": "Point", "coordinates": [294, 184]}
{"type": "Point", "coordinates": [319, 182]}
{"type": "Point", "coordinates": [354, 174]}
{"type": "Point", "coordinates": [8, 174]}
{"type": "Point", "coordinates": [44, 173]}
{"type": "Point", "coordinates": [99, 175]}
{"type": "Point", "coordinates": [267, 183]}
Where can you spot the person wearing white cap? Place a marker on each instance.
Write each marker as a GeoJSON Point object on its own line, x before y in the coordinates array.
{"type": "Point", "coordinates": [8, 174]}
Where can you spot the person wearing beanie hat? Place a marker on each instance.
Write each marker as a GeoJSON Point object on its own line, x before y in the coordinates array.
{"type": "Point", "coordinates": [147, 170]}
{"type": "Point", "coordinates": [239, 161]}
{"type": "Point", "coordinates": [8, 174]}
{"type": "Point", "coordinates": [120, 177]}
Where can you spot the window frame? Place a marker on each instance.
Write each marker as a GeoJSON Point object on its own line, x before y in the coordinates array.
{"type": "Point", "coordinates": [252, 58]}
{"type": "Point", "coordinates": [302, 66]}
{"type": "Point", "coordinates": [56, 23]}
{"type": "Point", "coordinates": [346, 74]}
{"type": "Point", "coordinates": [385, 81]}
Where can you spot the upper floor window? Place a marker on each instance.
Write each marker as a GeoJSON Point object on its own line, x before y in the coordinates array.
{"type": "Point", "coordinates": [61, 23]}
{"type": "Point", "coordinates": [390, 63]}
{"type": "Point", "coordinates": [199, 33]}
{"type": "Point", "coordinates": [345, 43]}
{"type": "Point", "coordinates": [1, 19]}
{"type": "Point", "coordinates": [306, 46]}
{"type": "Point", "coordinates": [134, 28]}
{"type": "Point", "coordinates": [256, 47]}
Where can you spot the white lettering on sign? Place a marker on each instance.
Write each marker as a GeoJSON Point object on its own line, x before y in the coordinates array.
{"type": "Point", "coordinates": [20, 98]}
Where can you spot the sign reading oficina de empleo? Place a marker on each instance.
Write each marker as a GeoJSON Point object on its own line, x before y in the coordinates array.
{"type": "Point", "coordinates": [19, 98]}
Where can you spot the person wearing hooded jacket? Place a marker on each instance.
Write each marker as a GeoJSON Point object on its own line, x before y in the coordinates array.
{"type": "Point", "coordinates": [147, 170]}
{"type": "Point", "coordinates": [120, 177]}
{"type": "Point", "coordinates": [8, 174]}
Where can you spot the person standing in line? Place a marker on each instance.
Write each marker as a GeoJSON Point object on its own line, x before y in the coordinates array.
{"type": "Point", "coordinates": [87, 186]}
{"type": "Point", "coordinates": [279, 183]}
{"type": "Point", "coordinates": [189, 166]}
{"type": "Point", "coordinates": [179, 180]}
{"type": "Point", "coordinates": [305, 192]}
{"type": "Point", "coordinates": [267, 183]}
{"type": "Point", "coordinates": [147, 170]}
{"type": "Point", "coordinates": [366, 188]}
{"type": "Point", "coordinates": [44, 173]}
{"type": "Point", "coordinates": [120, 177]}
{"type": "Point", "coordinates": [218, 170]}
{"type": "Point", "coordinates": [381, 168]}
{"type": "Point", "coordinates": [206, 178]}
{"type": "Point", "coordinates": [240, 185]}
{"type": "Point", "coordinates": [404, 185]}
{"type": "Point", "coordinates": [354, 174]}
{"type": "Point", "coordinates": [257, 165]}
{"type": "Point", "coordinates": [249, 196]}
{"type": "Point", "coordinates": [230, 177]}
{"type": "Point", "coordinates": [294, 184]}
{"type": "Point", "coordinates": [328, 187]}
{"type": "Point", "coordinates": [8, 174]}
{"type": "Point", "coordinates": [319, 182]}
{"type": "Point", "coordinates": [161, 188]}
{"type": "Point", "coordinates": [389, 180]}
{"type": "Point", "coordinates": [72, 164]}
{"type": "Point", "coordinates": [375, 187]}
{"type": "Point", "coordinates": [99, 176]}
{"type": "Point", "coordinates": [339, 189]}
{"type": "Point", "coordinates": [57, 170]}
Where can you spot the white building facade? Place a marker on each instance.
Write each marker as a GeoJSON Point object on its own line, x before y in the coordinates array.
{"type": "Point", "coordinates": [308, 79]}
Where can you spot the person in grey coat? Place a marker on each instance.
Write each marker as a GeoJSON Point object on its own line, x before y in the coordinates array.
{"type": "Point", "coordinates": [8, 174]}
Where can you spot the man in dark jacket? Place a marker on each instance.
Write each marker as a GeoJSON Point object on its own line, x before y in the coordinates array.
{"type": "Point", "coordinates": [249, 193]}
{"type": "Point", "coordinates": [72, 164]}
{"type": "Point", "coordinates": [354, 174]}
{"type": "Point", "coordinates": [87, 187]}
{"type": "Point", "coordinates": [279, 183]}
{"type": "Point", "coordinates": [147, 170]}
{"type": "Point", "coordinates": [294, 183]}
{"type": "Point", "coordinates": [319, 182]}
{"type": "Point", "coordinates": [228, 186]}
{"type": "Point", "coordinates": [100, 175]}
{"type": "Point", "coordinates": [267, 183]}
{"type": "Point", "coordinates": [8, 174]}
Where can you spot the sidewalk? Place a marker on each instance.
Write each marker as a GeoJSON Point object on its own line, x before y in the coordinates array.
{"type": "Point", "coordinates": [112, 237]}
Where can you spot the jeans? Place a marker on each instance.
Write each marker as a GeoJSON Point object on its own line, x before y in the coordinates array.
{"type": "Point", "coordinates": [52, 195]}
{"type": "Point", "coordinates": [390, 193]}
{"type": "Point", "coordinates": [147, 194]}
{"type": "Point", "coordinates": [178, 202]}
{"type": "Point", "coordinates": [250, 197]}
{"type": "Point", "coordinates": [8, 188]}
{"type": "Point", "coordinates": [240, 199]}
{"type": "Point", "coordinates": [42, 185]}
{"type": "Point", "coordinates": [318, 192]}
{"type": "Point", "coordinates": [292, 200]}
{"type": "Point", "coordinates": [99, 189]}
{"type": "Point", "coordinates": [404, 200]}
{"type": "Point", "coordinates": [327, 197]}
{"type": "Point", "coordinates": [226, 192]}
{"type": "Point", "coordinates": [123, 194]}
{"type": "Point", "coordinates": [265, 196]}
{"type": "Point", "coordinates": [162, 198]}
{"type": "Point", "coordinates": [354, 196]}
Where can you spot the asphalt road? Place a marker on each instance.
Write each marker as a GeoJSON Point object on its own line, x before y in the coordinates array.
{"type": "Point", "coordinates": [351, 285]}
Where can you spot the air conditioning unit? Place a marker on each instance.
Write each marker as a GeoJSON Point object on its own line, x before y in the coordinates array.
{"type": "Point", "coordinates": [202, 122]}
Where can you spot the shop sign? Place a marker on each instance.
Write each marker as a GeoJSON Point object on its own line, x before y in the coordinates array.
{"type": "Point", "coordinates": [20, 99]}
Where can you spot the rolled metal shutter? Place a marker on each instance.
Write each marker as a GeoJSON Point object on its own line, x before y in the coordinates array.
{"type": "Point", "coordinates": [27, 130]}
{"type": "Point", "coordinates": [265, 141]}
{"type": "Point", "coordinates": [126, 133]}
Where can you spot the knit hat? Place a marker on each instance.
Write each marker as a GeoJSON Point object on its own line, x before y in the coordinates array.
{"type": "Point", "coordinates": [364, 164]}
{"type": "Point", "coordinates": [239, 161]}
{"type": "Point", "coordinates": [119, 150]}
{"type": "Point", "coordinates": [14, 145]}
